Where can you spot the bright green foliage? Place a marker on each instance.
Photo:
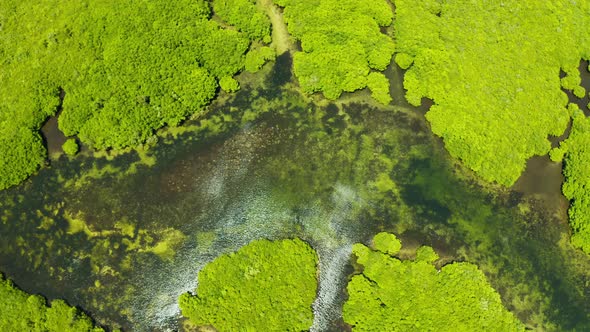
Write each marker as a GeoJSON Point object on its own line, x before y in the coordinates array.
{"type": "Point", "coordinates": [20, 311]}
{"type": "Point", "coordinates": [492, 70]}
{"type": "Point", "coordinates": [244, 15]}
{"type": "Point", "coordinates": [575, 151]}
{"type": "Point", "coordinates": [341, 42]}
{"type": "Point", "coordinates": [387, 243]}
{"type": "Point", "coordinates": [219, 50]}
{"type": "Point", "coordinates": [404, 60]}
{"type": "Point", "coordinates": [70, 147]}
{"type": "Point", "coordinates": [118, 103]}
{"type": "Point", "coordinates": [257, 57]}
{"type": "Point", "coordinates": [27, 94]}
{"type": "Point", "coordinates": [264, 286]}
{"type": "Point", "coordinates": [379, 86]}
{"type": "Point", "coordinates": [123, 68]}
{"type": "Point", "coordinates": [570, 81]}
{"type": "Point", "coordinates": [579, 92]}
{"type": "Point", "coordinates": [229, 84]}
{"type": "Point", "coordinates": [21, 153]}
{"type": "Point", "coordinates": [394, 295]}
{"type": "Point", "coordinates": [426, 254]}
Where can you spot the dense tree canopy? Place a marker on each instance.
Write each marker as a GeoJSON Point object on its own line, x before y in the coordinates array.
{"type": "Point", "coordinates": [379, 86]}
{"type": "Point", "coordinates": [342, 43]}
{"type": "Point", "coordinates": [255, 59]}
{"type": "Point", "coordinates": [244, 15]}
{"type": "Point", "coordinates": [70, 147]}
{"type": "Point", "coordinates": [575, 152]}
{"type": "Point", "coordinates": [264, 286]}
{"type": "Point", "coordinates": [492, 70]}
{"type": "Point", "coordinates": [395, 295]}
{"type": "Point", "coordinates": [21, 151]}
{"type": "Point", "coordinates": [20, 311]}
{"type": "Point", "coordinates": [123, 69]}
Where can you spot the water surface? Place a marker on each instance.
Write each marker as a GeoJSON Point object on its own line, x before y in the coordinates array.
{"type": "Point", "coordinates": [123, 238]}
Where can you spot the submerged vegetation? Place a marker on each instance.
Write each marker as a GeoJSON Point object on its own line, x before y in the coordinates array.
{"type": "Point", "coordinates": [493, 74]}
{"type": "Point", "coordinates": [395, 295]}
{"type": "Point", "coordinates": [264, 286]}
{"type": "Point", "coordinates": [20, 311]}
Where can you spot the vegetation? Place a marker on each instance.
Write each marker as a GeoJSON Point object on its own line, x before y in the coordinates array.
{"type": "Point", "coordinates": [244, 15]}
{"type": "Point", "coordinates": [387, 243]}
{"type": "Point", "coordinates": [338, 173]}
{"type": "Point", "coordinates": [255, 59]}
{"type": "Point", "coordinates": [229, 84]}
{"type": "Point", "coordinates": [120, 70]}
{"type": "Point", "coordinates": [379, 86]}
{"type": "Point", "coordinates": [343, 172]}
{"type": "Point", "coordinates": [395, 295]}
{"type": "Point", "coordinates": [70, 147]}
{"type": "Point", "coordinates": [493, 74]}
{"type": "Point", "coordinates": [263, 286]}
{"type": "Point", "coordinates": [22, 152]}
{"type": "Point", "coordinates": [342, 43]}
{"type": "Point", "coordinates": [575, 152]}
{"type": "Point", "coordinates": [579, 91]}
{"type": "Point", "coordinates": [20, 311]}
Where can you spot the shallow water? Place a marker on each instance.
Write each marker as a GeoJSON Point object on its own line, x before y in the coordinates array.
{"type": "Point", "coordinates": [52, 136]}
{"type": "Point", "coordinates": [542, 179]}
{"type": "Point", "coordinates": [123, 239]}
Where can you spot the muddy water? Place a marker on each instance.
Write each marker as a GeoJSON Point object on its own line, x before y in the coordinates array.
{"type": "Point", "coordinates": [53, 137]}
{"type": "Point", "coordinates": [542, 179]}
{"type": "Point", "coordinates": [123, 240]}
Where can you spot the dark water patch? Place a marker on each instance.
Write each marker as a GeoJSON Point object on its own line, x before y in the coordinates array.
{"type": "Point", "coordinates": [332, 118]}
{"type": "Point", "coordinates": [427, 210]}
{"type": "Point", "coordinates": [543, 179]}
{"type": "Point", "coordinates": [30, 247]}
{"type": "Point", "coordinates": [412, 239]}
{"type": "Point", "coordinates": [396, 84]}
{"type": "Point", "coordinates": [52, 136]}
{"type": "Point", "coordinates": [420, 193]}
{"type": "Point", "coordinates": [281, 73]}
{"type": "Point", "coordinates": [395, 74]}
{"type": "Point", "coordinates": [566, 308]}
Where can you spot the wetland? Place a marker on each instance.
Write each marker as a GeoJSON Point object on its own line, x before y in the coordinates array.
{"type": "Point", "coordinates": [153, 181]}
{"type": "Point", "coordinates": [124, 236]}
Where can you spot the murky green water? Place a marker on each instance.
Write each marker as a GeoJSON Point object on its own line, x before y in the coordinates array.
{"type": "Point", "coordinates": [123, 239]}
